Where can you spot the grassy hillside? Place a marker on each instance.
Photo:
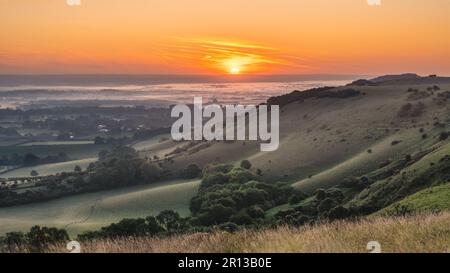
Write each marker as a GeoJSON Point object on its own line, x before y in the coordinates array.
{"type": "Point", "coordinates": [396, 182]}
{"type": "Point", "coordinates": [424, 233]}
{"type": "Point", "coordinates": [433, 199]}
{"type": "Point", "coordinates": [91, 211]}
{"type": "Point", "coordinates": [325, 140]}
{"type": "Point", "coordinates": [388, 137]}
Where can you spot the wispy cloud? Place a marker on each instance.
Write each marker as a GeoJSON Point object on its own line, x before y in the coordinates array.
{"type": "Point", "coordinates": [226, 55]}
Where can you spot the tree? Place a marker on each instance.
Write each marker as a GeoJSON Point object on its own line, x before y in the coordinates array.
{"type": "Point", "coordinates": [326, 205]}
{"type": "Point", "coordinates": [320, 194]}
{"type": "Point", "coordinates": [34, 173]}
{"type": "Point", "coordinates": [126, 227]}
{"type": "Point", "coordinates": [168, 219]}
{"type": "Point", "coordinates": [339, 212]}
{"type": "Point", "coordinates": [30, 159]}
{"type": "Point", "coordinates": [246, 164]}
{"type": "Point", "coordinates": [191, 171]}
{"type": "Point", "coordinates": [13, 240]}
{"type": "Point", "coordinates": [241, 218]}
{"type": "Point", "coordinates": [443, 136]}
{"type": "Point", "coordinates": [153, 227]}
{"type": "Point", "coordinates": [38, 238]}
{"type": "Point", "coordinates": [77, 169]}
{"type": "Point", "coordinates": [216, 214]}
{"type": "Point", "coordinates": [91, 166]}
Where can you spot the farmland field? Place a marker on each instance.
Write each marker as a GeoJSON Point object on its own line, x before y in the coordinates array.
{"type": "Point", "coordinates": [50, 169]}
{"type": "Point", "coordinates": [74, 151]}
{"type": "Point", "coordinates": [93, 210]}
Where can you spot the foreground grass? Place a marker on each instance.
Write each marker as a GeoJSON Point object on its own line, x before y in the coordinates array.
{"type": "Point", "coordinates": [421, 233]}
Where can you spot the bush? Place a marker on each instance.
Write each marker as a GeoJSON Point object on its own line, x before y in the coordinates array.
{"type": "Point", "coordinates": [220, 168]}
{"type": "Point", "coordinates": [339, 212]}
{"type": "Point", "coordinates": [443, 136]}
{"type": "Point", "coordinates": [213, 179]}
{"type": "Point", "coordinates": [254, 197]}
{"type": "Point", "coordinates": [31, 160]}
{"type": "Point", "coordinates": [326, 205]}
{"type": "Point", "coordinates": [320, 194]}
{"type": "Point", "coordinates": [395, 142]}
{"type": "Point", "coordinates": [245, 164]}
{"type": "Point", "coordinates": [38, 238]}
{"type": "Point", "coordinates": [255, 212]}
{"type": "Point", "coordinates": [241, 218]}
{"type": "Point", "coordinates": [216, 214]}
{"type": "Point", "coordinates": [240, 176]}
{"type": "Point", "coordinates": [13, 240]}
{"type": "Point", "coordinates": [228, 227]}
{"type": "Point", "coordinates": [191, 171]}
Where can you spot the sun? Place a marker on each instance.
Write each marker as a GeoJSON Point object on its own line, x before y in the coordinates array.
{"type": "Point", "coordinates": [235, 70]}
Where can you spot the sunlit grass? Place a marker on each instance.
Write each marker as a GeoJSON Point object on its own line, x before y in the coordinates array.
{"type": "Point", "coordinates": [421, 233]}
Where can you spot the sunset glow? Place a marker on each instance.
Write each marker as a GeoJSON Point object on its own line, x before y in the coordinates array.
{"type": "Point", "coordinates": [224, 37]}
{"type": "Point", "coordinates": [235, 70]}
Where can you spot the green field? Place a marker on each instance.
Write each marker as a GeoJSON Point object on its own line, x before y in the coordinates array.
{"type": "Point", "coordinates": [50, 169]}
{"type": "Point", "coordinates": [151, 142]}
{"type": "Point", "coordinates": [93, 210]}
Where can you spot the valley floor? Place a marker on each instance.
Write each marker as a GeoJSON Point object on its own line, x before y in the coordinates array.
{"type": "Point", "coordinates": [420, 233]}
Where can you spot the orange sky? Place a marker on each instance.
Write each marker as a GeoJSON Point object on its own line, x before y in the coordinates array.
{"type": "Point", "coordinates": [225, 36]}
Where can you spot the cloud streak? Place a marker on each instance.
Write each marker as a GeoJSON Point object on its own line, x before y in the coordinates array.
{"type": "Point", "coordinates": [225, 55]}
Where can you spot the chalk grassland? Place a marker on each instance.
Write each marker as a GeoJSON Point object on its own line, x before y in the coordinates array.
{"type": "Point", "coordinates": [94, 210]}
{"type": "Point", "coordinates": [433, 199]}
{"type": "Point", "coordinates": [325, 140]}
{"type": "Point", "coordinates": [420, 233]}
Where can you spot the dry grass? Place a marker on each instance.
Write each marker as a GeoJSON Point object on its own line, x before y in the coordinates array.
{"type": "Point", "coordinates": [422, 233]}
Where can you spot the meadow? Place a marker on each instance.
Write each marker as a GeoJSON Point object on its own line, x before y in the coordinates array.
{"type": "Point", "coordinates": [91, 211]}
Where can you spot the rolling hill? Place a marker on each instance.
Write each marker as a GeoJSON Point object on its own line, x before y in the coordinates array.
{"type": "Point", "coordinates": [391, 134]}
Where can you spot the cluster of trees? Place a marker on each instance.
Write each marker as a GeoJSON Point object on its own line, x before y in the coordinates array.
{"type": "Point", "coordinates": [30, 159]}
{"type": "Point", "coordinates": [35, 240]}
{"type": "Point", "coordinates": [166, 223]}
{"type": "Point", "coordinates": [119, 167]}
{"type": "Point", "coordinates": [236, 195]}
{"type": "Point", "coordinates": [122, 167]}
{"type": "Point", "coordinates": [323, 205]}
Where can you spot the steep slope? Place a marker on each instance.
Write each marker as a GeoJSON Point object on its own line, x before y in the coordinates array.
{"type": "Point", "coordinates": [328, 137]}
{"type": "Point", "coordinates": [433, 199]}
